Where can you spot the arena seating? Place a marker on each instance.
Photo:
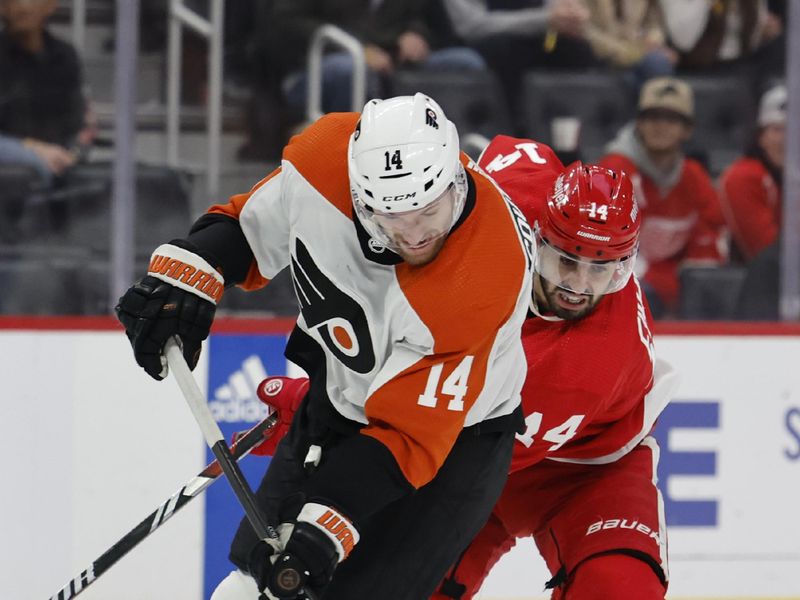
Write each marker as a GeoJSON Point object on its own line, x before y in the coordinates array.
{"type": "Point", "coordinates": [598, 99]}
{"type": "Point", "coordinates": [724, 120]}
{"type": "Point", "coordinates": [74, 220]}
{"type": "Point", "coordinates": [472, 100]}
{"type": "Point", "coordinates": [37, 285]}
{"type": "Point", "coordinates": [710, 293]}
{"type": "Point", "coordinates": [68, 231]}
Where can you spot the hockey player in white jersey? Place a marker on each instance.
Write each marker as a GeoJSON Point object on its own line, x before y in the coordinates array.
{"type": "Point", "coordinates": [412, 272]}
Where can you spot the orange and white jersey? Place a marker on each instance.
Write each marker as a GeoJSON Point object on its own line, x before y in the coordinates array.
{"type": "Point", "coordinates": [414, 353]}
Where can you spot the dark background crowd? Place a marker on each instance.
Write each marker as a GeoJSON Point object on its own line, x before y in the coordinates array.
{"type": "Point", "coordinates": [688, 98]}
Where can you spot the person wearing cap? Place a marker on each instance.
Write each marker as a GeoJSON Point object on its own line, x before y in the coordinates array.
{"type": "Point", "coordinates": [682, 218]}
{"type": "Point", "coordinates": [582, 474]}
{"type": "Point", "coordinates": [750, 188]}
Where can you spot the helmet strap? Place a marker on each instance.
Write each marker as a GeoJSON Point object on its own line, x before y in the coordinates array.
{"type": "Point", "coordinates": [534, 304]}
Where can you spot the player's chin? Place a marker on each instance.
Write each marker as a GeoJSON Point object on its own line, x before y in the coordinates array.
{"type": "Point", "coordinates": [570, 306]}
{"type": "Point", "coordinates": [422, 255]}
{"type": "Point", "coordinates": [572, 314]}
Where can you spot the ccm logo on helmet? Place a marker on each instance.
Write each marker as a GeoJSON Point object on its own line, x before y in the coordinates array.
{"type": "Point", "coordinates": [594, 236]}
{"type": "Point", "coordinates": [398, 198]}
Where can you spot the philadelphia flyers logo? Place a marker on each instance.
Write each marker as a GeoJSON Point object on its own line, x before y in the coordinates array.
{"type": "Point", "coordinates": [337, 317]}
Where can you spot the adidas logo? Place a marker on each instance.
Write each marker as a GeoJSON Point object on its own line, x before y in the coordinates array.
{"type": "Point", "coordinates": [236, 401]}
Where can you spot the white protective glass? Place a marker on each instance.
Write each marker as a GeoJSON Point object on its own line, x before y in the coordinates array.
{"type": "Point", "coordinates": [419, 226]}
{"type": "Point", "coordinates": [578, 274]}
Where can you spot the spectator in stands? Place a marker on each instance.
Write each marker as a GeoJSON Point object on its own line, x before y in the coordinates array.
{"type": "Point", "coordinates": [736, 36]}
{"type": "Point", "coordinates": [750, 189]}
{"type": "Point", "coordinates": [630, 35]}
{"type": "Point", "coordinates": [42, 108]}
{"type": "Point", "coordinates": [515, 36]}
{"type": "Point", "coordinates": [682, 219]}
{"type": "Point", "coordinates": [395, 35]}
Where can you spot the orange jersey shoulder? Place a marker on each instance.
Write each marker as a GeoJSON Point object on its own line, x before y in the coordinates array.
{"type": "Point", "coordinates": [473, 285]}
{"type": "Point", "coordinates": [319, 153]}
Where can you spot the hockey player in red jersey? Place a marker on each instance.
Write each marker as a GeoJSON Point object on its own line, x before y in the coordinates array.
{"type": "Point", "coordinates": [583, 475]}
{"type": "Point", "coordinates": [412, 271]}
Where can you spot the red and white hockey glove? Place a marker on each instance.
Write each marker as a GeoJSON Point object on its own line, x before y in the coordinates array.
{"type": "Point", "coordinates": [283, 395]}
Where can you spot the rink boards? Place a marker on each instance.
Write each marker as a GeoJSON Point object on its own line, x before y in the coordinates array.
{"type": "Point", "coordinates": [91, 446]}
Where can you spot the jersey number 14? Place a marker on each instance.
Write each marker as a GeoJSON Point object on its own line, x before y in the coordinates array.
{"type": "Point", "coordinates": [455, 385]}
{"type": "Point", "coordinates": [558, 435]}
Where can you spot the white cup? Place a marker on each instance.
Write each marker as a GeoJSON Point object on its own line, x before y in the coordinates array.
{"type": "Point", "coordinates": [565, 133]}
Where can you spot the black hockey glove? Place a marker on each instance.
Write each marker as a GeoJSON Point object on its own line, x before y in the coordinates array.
{"type": "Point", "coordinates": [318, 542]}
{"type": "Point", "coordinates": [178, 296]}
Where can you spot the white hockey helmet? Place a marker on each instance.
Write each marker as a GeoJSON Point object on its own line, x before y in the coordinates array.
{"type": "Point", "coordinates": [403, 155]}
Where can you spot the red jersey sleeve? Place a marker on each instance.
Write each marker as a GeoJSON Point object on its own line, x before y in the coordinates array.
{"type": "Point", "coordinates": [508, 157]}
{"type": "Point", "coordinates": [524, 169]}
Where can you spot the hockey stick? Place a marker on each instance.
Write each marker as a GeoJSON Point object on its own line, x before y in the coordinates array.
{"type": "Point", "coordinates": [288, 577]}
{"type": "Point", "coordinates": [241, 447]}
{"type": "Point", "coordinates": [215, 440]}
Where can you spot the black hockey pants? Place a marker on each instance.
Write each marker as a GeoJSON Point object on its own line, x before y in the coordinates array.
{"type": "Point", "coordinates": [407, 547]}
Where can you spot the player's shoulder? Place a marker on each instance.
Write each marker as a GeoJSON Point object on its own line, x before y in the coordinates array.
{"type": "Point", "coordinates": [319, 154]}
{"type": "Point", "coordinates": [328, 134]}
{"type": "Point", "coordinates": [473, 287]}
{"type": "Point", "coordinates": [494, 225]}
{"type": "Point", "coordinates": [626, 322]}
{"type": "Point", "coordinates": [524, 169]}
{"type": "Point", "coordinates": [506, 157]}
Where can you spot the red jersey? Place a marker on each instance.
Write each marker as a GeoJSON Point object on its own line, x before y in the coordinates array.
{"type": "Point", "coordinates": [681, 224]}
{"type": "Point", "coordinates": [585, 397]}
{"type": "Point", "coordinates": [751, 202]}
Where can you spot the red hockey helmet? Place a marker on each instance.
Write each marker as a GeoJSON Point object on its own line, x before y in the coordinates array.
{"type": "Point", "coordinates": [591, 217]}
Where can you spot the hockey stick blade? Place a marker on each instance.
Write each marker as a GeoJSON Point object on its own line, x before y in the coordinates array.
{"type": "Point", "coordinates": [242, 446]}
